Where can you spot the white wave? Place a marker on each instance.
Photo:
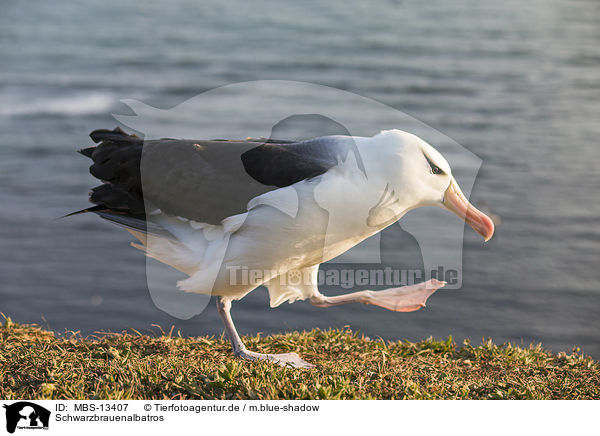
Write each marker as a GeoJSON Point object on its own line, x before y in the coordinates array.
{"type": "Point", "coordinates": [80, 104]}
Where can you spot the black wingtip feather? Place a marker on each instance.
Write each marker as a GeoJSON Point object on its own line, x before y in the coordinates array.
{"type": "Point", "coordinates": [87, 152]}
{"type": "Point", "coordinates": [89, 209]}
{"type": "Point", "coordinates": [117, 134]}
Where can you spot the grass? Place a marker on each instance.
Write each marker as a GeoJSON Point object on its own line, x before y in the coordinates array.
{"type": "Point", "coordinates": [35, 364]}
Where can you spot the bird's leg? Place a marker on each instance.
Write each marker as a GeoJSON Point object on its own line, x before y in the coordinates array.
{"type": "Point", "coordinates": [402, 299]}
{"type": "Point", "coordinates": [239, 349]}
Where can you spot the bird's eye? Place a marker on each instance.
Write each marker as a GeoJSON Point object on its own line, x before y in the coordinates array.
{"type": "Point", "coordinates": [434, 168]}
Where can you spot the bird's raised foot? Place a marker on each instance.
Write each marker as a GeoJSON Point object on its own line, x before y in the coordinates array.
{"type": "Point", "coordinates": [405, 298]}
{"type": "Point", "coordinates": [283, 359]}
{"type": "Point", "coordinates": [402, 299]}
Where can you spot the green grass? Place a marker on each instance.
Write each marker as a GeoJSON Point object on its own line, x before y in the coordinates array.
{"type": "Point", "coordinates": [35, 364]}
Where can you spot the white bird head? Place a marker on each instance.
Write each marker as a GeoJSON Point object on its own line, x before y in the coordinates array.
{"type": "Point", "coordinates": [422, 177]}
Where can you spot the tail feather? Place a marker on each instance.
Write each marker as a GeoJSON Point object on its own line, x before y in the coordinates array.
{"type": "Point", "coordinates": [168, 251]}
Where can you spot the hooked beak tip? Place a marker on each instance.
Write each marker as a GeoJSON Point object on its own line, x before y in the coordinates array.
{"type": "Point", "coordinates": [489, 234]}
{"type": "Point", "coordinates": [455, 201]}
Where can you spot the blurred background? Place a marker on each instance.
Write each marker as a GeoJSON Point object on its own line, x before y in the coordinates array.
{"type": "Point", "coordinates": [517, 83]}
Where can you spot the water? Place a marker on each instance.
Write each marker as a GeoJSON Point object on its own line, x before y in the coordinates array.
{"type": "Point", "coordinates": [516, 83]}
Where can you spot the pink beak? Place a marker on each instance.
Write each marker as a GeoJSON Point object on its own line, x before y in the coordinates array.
{"type": "Point", "coordinates": [456, 201]}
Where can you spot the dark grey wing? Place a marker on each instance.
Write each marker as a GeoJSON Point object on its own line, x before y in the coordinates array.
{"type": "Point", "coordinates": [205, 181]}
{"type": "Point", "coordinates": [200, 180]}
{"type": "Point", "coordinates": [285, 164]}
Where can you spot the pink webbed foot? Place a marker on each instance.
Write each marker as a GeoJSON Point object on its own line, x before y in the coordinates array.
{"type": "Point", "coordinates": [405, 298]}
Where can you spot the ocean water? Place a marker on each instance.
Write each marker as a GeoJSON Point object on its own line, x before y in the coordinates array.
{"type": "Point", "coordinates": [518, 84]}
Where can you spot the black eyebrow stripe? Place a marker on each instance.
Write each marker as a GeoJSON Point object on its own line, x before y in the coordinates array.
{"type": "Point", "coordinates": [432, 165]}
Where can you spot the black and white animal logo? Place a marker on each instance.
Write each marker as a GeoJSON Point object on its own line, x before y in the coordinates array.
{"type": "Point", "coordinates": [26, 415]}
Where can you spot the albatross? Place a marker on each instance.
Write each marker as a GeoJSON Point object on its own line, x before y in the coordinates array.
{"type": "Point", "coordinates": [214, 208]}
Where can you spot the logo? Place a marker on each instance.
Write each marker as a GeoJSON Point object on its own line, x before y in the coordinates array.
{"type": "Point", "coordinates": [26, 415]}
